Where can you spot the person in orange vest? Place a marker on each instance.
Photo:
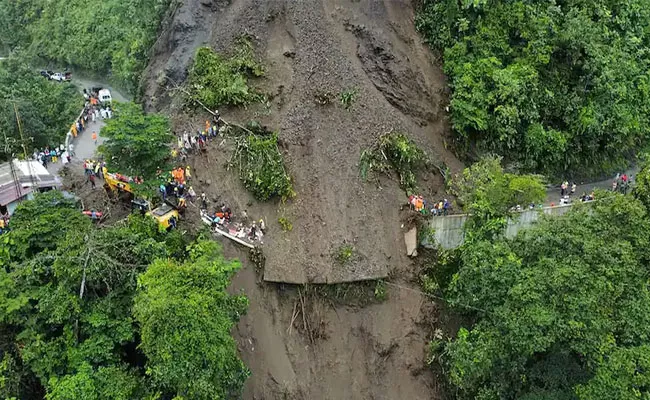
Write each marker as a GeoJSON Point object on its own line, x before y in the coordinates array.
{"type": "Point", "coordinates": [95, 138]}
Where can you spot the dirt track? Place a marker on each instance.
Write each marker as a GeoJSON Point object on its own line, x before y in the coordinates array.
{"type": "Point", "coordinates": [311, 47]}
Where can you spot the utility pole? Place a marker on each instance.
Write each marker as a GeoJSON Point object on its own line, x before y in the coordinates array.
{"type": "Point", "coordinates": [9, 145]}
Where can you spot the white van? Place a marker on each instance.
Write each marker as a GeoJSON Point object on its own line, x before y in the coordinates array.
{"type": "Point", "coordinates": [104, 96]}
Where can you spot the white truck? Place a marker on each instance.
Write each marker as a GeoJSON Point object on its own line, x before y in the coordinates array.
{"type": "Point", "coordinates": [104, 96]}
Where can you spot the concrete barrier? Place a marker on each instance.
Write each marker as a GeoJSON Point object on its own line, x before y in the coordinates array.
{"type": "Point", "coordinates": [449, 231]}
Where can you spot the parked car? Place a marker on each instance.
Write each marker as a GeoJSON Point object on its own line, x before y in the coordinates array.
{"type": "Point", "coordinates": [47, 74]}
{"type": "Point", "coordinates": [61, 77]}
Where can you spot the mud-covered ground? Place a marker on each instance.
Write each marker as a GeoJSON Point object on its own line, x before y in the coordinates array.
{"type": "Point", "coordinates": [312, 47]}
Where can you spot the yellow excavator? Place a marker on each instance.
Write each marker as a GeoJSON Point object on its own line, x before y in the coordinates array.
{"type": "Point", "coordinates": [166, 215]}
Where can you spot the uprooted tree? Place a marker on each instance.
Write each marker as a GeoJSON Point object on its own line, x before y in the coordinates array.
{"type": "Point", "coordinates": [217, 80]}
{"type": "Point", "coordinates": [394, 152]}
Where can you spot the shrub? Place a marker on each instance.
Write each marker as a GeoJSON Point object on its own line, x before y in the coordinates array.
{"type": "Point", "coordinates": [348, 97]}
{"type": "Point", "coordinates": [262, 168]}
{"type": "Point", "coordinates": [344, 254]}
{"type": "Point", "coordinates": [394, 151]}
{"type": "Point", "coordinates": [286, 225]}
{"type": "Point", "coordinates": [216, 80]}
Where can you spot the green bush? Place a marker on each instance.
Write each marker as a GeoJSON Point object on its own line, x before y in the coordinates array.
{"type": "Point", "coordinates": [344, 253]}
{"type": "Point", "coordinates": [216, 80]}
{"type": "Point", "coordinates": [397, 152]}
{"type": "Point", "coordinates": [552, 86]}
{"type": "Point", "coordinates": [347, 98]}
{"type": "Point", "coordinates": [286, 225]}
{"type": "Point", "coordinates": [262, 167]}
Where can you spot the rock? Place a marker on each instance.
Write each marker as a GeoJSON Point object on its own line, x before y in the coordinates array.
{"type": "Point", "coordinates": [206, 3]}
{"type": "Point", "coordinates": [208, 182]}
{"type": "Point", "coordinates": [289, 53]}
{"type": "Point", "coordinates": [410, 238]}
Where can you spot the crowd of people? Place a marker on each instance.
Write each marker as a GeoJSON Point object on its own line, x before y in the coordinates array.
{"type": "Point", "coordinates": [93, 170]}
{"type": "Point", "coordinates": [188, 143]}
{"type": "Point", "coordinates": [622, 183]}
{"type": "Point", "coordinates": [436, 208]}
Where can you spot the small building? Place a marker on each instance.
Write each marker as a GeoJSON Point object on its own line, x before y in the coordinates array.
{"type": "Point", "coordinates": [19, 180]}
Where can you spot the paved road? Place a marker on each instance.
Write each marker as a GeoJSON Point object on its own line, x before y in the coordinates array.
{"type": "Point", "coordinates": [84, 147]}
{"type": "Point", "coordinates": [553, 194]}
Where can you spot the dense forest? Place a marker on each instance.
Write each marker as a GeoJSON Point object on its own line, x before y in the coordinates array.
{"type": "Point", "coordinates": [554, 87]}
{"type": "Point", "coordinates": [121, 312]}
{"type": "Point", "coordinates": [46, 109]}
{"type": "Point", "coordinates": [108, 37]}
{"type": "Point", "coordinates": [559, 312]}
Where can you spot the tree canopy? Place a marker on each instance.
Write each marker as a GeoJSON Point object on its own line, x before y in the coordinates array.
{"type": "Point", "coordinates": [185, 316]}
{"type": "Point", "coordinates": [137, 143]}
{"type": "Point", "coordinates": [561, 312]}
{"type": "Point", "coordinates": [68, 328]}
{"type": "Point", "coordinates": [109, 36]}
{"type": "Point", "coordinates": [488, 194]}
{"type": "Point", "coordinates": [551, 86]}
{"type": "Point", "coordinates": [46, 109]}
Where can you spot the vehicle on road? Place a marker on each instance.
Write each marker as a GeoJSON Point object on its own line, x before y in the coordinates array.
{"type": "Point", "coordinates": [61, 76]}
{"type": "Point", "coordinates": [104, 96]}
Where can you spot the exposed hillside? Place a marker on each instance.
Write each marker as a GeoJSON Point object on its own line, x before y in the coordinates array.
{"type": "Point", "coordinates": [308, 48]}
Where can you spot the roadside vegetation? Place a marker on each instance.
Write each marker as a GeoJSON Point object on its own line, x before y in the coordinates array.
{"type": "Point", "coordinates": [137, 144]}
{"type": "Point", "coordinates": [46, 108]}
{"type": "Point", "coordinates": [558, 312]}
{"type": "Point", "coordinates": [121, 312]}
{"type": "Point", "coordinates": [552, 87]}
{"type": "Point", "coordinates": [108, 37]}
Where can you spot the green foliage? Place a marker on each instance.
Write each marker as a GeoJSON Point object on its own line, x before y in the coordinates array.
{"type": "Point", "coordinates": [46, 108]}
{"type": "Point", "coordinates": [215, 80]}
{"type": "Point", "coordinates": [67, 324]}
{"type": "Point", "coordinates": [110, 36]}
{"type": "Point", "coordinates": [262, 168]}
{"type": "Point", "coordinates": [394, 151]}
{"type": "Point", "coordinates": [56, 217]}
{"type": "Point", "coordinates": [347, 97]}
{"type": "Point", "coordinates": [344, 253]}
{"type": "Point", "coordinates": [381, 294]}
{"type": "Point", "coordinates": [641, 188]}
{"type": "Point", "coordinates": [285, 224]}
{"type": "Point", "coordinates": [137, 143]}
{"type": "Point", "coordinates": [488, 193]}
{"type": "Point", "coordinates": [561, 309]}
{"type": "Point", "coordinates": [186, 316]}
{"type": "Point", "coordinates": [624, 375]}
{"type": "Point", "coordinates": [110, 383]}
{"type": "Point", "coordinates": [553, 86]}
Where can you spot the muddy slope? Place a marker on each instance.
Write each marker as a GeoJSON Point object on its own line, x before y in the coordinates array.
{"type": "Point", "coordinates": [312, 47]}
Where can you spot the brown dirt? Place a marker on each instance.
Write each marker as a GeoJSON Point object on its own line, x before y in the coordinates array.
{"type": "Point", "coordinates": [311, 47]}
